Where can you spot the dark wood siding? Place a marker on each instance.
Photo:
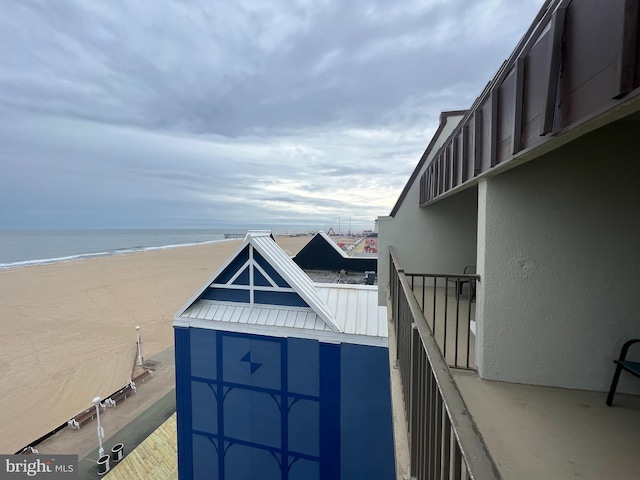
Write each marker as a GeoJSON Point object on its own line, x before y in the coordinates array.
{"type": "Point", "coordinates": [506, 103]}
{"type": "Point", "coordinates": [536, 70]}
{"type": "Point", "coordinates": [578, 59]}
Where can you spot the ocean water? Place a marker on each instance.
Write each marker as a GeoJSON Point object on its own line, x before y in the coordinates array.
{"type": "Point", "coordinates": [36, 247]}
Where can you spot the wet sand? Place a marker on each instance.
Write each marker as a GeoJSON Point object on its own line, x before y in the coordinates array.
{"type": "Point", "coordinates": [68, 329]}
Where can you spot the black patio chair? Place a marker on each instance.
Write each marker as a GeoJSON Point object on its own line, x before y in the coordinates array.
{"type": "Point", "coordinates": [459, 282]}
{"type": "Point", "coordinates": [623, 364]}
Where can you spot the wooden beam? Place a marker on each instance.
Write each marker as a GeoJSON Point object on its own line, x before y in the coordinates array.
{"type": "Point", "coordinates": [516, 137]}
{"type": "Point", "coordinates": [625, 67]}
{"type": "Point", "coordinates": [447, 167]}
{"type": "Point", "coordinates": [456, 161]}
{"type": "Point", "coordinates": [494, 126]}
{"type": "Point", "coordinates": [465, 152]}
{"type": "Point", "coordinates": [477, 141]}
{"type": "Point", "coordinates": [555, 58]}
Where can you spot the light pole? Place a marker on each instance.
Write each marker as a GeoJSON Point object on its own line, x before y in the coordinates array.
{"type": "Point", "coordinates": [96, 402]}
{"type": "Point", "coordinates": [139, 350]}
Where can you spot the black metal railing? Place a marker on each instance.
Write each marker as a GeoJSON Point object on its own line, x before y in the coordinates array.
{"type": "Point", "coordinates": [443, 439]}
{"type": "Point", "coordinates": [447, 303]}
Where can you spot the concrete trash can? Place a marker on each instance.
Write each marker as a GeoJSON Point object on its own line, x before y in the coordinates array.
{"type": "Point", "coordinates": [117, 452]}
{"type": "Point", "coordinates": [103, 464]}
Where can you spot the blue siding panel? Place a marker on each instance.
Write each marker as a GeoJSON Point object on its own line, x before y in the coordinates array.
{"type": "Point", "coordinates": [247, 463]}
{"type": "Point", "coordinates": [203, 353]}
{"type": "Point", "coordinates": [266, 266]}
{"type": "Point", "coordinates": [233, 267]}
{"type": "Point", "coordinates": [183, 403]}
{"type": "Point", "coordinates": [205, 458]}
{"type": "Point", "coordinates": [204, 407]}
{"type": "Point", "coordinates": [321, 411]}
{"type": "Point", "coordinates": [367, 430]}
{"type": "Point", "coordinates": [304, 427]}
{"type": "Point", "coordinates": [330, 414]}
{"type": "Point", "coordinates": [304, 370]}
{"type": "Point", "coordinates": [226, 295]}
{"type": "Point", "coordinates": [253, 417]}
{"type": "Point", "coordinates": [303, 469]}
{"type": "Point", "coordinates": [259, 279]}
{"type": "Point", "coordinates": [289, 299]}
{"type": "Point", "coordinates": [252, 360]}
{"type": "Point", "coordinates": [243, 278]}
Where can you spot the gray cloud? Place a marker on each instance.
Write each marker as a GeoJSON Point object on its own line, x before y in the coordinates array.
{"type": "Point", "coordinates": [193, 113]}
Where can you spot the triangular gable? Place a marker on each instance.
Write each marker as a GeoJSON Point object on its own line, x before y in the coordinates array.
{"type": "Point", "coordinates": [260, 273]}
{"type": "Point", "coordinates": [333, 244]}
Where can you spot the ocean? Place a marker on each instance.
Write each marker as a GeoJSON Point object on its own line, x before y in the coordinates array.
{"type": "Point", "coordinates": [38, 247]}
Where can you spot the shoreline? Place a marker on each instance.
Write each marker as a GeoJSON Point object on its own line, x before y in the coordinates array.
{"type": "Point", "coordinates": [106, 253]}
{"type": "Point", "coordinates": [69, 328]}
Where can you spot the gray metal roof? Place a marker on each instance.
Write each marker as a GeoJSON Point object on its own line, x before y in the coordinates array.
{"type": "Point", "coordinates": [257, 315]}
{"type": "Point", "coordinates": [334, 312]}
{"type": "Point", "coordinates": [294, 275]}
{"type": "Point", "coordinates": [355, 308]}
{"type": "Point", "coordinates": [298, 281]}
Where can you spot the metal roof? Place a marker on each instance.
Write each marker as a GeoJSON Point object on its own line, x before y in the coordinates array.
{"type": "Point", "coordinates": [297, 282]}
{"type": "Point", "coordinates": [356, 308]}
{"type": "Point", "coordinates": [333, 312]}
{"type": "Point", "coordinates": [256, 315]}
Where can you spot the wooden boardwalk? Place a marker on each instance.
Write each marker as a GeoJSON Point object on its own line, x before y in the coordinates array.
{"type": "Point", "coordinates": [154, 459]}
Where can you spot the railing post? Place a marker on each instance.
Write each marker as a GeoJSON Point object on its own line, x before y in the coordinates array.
{"type": "Point", "coordinates": [443, 439]}
{"type": "Point", "coordinates": [414, 398]}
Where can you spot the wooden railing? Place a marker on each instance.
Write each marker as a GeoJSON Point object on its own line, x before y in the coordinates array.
{"type": "Point", "coordinates": [443, 439]}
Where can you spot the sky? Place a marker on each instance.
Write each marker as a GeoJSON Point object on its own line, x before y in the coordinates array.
{"type": "Point", "coordinates": [282, 114]}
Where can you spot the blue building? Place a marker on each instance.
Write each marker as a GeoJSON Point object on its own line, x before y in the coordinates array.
{"type": "Point", "coordinates": [281, 378]}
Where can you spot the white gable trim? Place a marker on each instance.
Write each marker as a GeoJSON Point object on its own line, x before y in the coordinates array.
{"type": "Point", "coordinates": [325, 336]}
{"type": "Point", "coordinates": [284, 266]}
{"type": "Point", "coordinates": [296, 278]}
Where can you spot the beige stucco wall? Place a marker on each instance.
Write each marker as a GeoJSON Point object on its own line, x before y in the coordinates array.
{"type": "Point", "coordinates": [440, 238]}
{"type": "Point", "coordinates": [558, 254]}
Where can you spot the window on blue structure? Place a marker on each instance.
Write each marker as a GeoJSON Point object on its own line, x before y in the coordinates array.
{"type": "Point", "coordinates": [243, 278]}
{"type": "Point", "coordinates": [289, 299]}
{"type": "Point", "coordinates": [226, 295]}
{"type": "Point", "coordinates": [259, 280]}
{"type": "Point", "coordinates": [275, 276]}
{"type": "Point", "coordinates": [233, 267]}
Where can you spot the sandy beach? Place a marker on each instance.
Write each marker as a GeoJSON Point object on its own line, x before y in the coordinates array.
{"type": "Point", "coordinates": [68, 329]}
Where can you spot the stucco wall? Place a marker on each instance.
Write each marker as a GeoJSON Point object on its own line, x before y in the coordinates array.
{"type": "Point", "coordinates": [440, 238]}
{"type": "Point", "coordinates": [558, 252]}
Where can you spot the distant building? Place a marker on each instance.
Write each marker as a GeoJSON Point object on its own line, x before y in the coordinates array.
{"type": "Point", "coordinates": [280, 378]}
{"type": "Point", "coordinates": [322, 253]}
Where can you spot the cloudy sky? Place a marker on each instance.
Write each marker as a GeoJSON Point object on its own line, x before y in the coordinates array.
{"type": "Point", "coordinates": [220, 113]}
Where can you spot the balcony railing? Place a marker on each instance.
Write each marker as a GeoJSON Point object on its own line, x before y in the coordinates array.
{"type": "Point", "coordinates": [443, 439]}
{"type": "Point", "coordinates": [447, 303]}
